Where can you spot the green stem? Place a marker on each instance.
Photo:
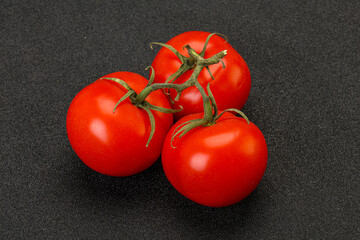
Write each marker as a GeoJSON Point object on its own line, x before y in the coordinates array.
{"type": "Point", "coordinates": [202, 53]}
{"type": "Point", "coordinates": [213, 102]}
{"type": "Point", "coordinates": [232, 110]}
{"type": "Point", "coordinates": [184, 128]}
{"type": "Point", "coordinates": [171, 48]}
{"type": "Point", "coordinates": [208, 116]}
{"type": "Point", "coordinates": [156, 86]}
{"type": "Point", "coordinates": [201, 63]}
{"type": "Point", "coordinates": [152, 76]}
{"type": "Point", "coordinates": [128, 94]}
{"type": "Point", "coordinates": [183, 68]}
{"type": "Point", "coordinates": [119, 81]}
{"type": "Point", "coordinates": [152, 123]}
{"type": "Point", "coordinates": [161, 109]}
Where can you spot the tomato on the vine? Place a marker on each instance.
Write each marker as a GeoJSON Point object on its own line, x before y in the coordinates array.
{"type": "Point", "coordinates": [216, 165]}
{"type": "Point", "coordinates": [114, 143]}
{"type": "Point", "coordinates": [231, 86]}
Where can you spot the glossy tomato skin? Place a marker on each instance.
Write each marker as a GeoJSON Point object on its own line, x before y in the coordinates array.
{"type": "Point", "coordinates": [115, 143]}
{"type": "Point", "coordinates": [231, 86]}
{"type": "Point", "coordinates": [218, 165]}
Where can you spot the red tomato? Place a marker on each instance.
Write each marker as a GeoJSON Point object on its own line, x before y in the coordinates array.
{"type": "Point", "coordinates": [115, 143]}
{"type": "Point", "coordinates": [218, 165]}
{"type": "Point", "coordinates": [231, 86]}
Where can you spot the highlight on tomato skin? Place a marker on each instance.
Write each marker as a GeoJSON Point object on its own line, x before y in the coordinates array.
{"type": "Point", "coordinates": [231, 85]}
{"type": "Point", "coordinates": [217, 165]}
{"type": "Point", "coordinates": [114, 143]}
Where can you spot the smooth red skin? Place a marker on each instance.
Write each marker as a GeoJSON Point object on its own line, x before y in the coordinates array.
{"type": "Point", "coordinates": [115, 143]}
{"type": "Point", "coordinates": [231, 86]}
{"type": "Point", "coordinates": [216, 166]}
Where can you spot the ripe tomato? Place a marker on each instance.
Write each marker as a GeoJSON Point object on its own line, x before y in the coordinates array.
{"type": "Point", "coordinates": [115, 143]}
{"type": "Point", "coordinates": [231, 86]}
{"type": "Point", "coordinates": [217, 165]}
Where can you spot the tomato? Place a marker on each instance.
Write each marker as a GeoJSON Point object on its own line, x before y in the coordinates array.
{"type": "Point", "coordinates": [231, 86]}
{"type": "Point", "coordinates": [217, 165]}
{"type": "Point", "coordinates": [115, 143]}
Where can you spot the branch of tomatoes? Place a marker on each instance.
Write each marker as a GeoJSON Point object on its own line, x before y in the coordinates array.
{"type": "Point", "coordinates": [219, 158]}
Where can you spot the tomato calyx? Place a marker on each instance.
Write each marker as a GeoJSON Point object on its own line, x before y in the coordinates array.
{"type": "Point", "coordinates": [211, 115]}
{"type": "Point", "coordinates": [190, 62]}
{"type": "Point", "coordinates": [141, 103]}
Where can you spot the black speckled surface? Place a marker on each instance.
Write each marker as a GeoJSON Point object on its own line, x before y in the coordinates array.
{"type": "Point", "coordinates": [304, 58]}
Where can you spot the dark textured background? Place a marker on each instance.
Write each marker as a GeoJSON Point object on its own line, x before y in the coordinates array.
{"type": "Point", "coordinates": [304, 61]}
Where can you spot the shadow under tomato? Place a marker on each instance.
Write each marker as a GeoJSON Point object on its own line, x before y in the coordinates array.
{"type": "Point", "coordinates": [115, 191]}
{"type": "Point", "coordinates": [216, 222]}
{"type": "Point", "coordinates": [149, 193]}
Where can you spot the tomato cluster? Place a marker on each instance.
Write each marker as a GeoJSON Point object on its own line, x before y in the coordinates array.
{"type": "Point", "coordinates": [120, 124]}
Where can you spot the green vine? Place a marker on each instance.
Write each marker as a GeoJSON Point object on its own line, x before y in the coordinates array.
{"type": "Point", "coordinates": [139, 100]}
{"type": "Point", "coordinates": [197, 63]}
